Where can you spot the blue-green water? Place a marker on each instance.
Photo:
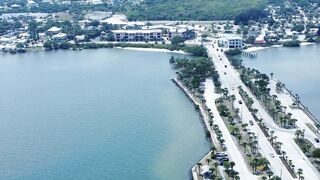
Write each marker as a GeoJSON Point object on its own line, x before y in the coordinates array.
{"type": "Point", "coordinates": [95, 114]}
{"type": "Point", "coordinates": [298, 68]}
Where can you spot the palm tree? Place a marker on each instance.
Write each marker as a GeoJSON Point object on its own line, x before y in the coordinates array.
{"type": "Point", "coordinates": [271, 134]}
{"type": "Point", "coordinates": [278, 145]}
{"type": "Point", "coordinates": [232, 164]}
{"type": "Point", "coordinates": [226, 165]}
{"type": "Point", "coordinates": [283, 154]}
{"type": "Point", "coordinates": [215, 165]}
{"type": "Point", "coordinates": [208, 161]}
{"type": "Point", "coordinates": [254, 164]}
{"type": "Point", "coordinates": [199, 167]}
{"type": "Point", "coordinates": [239, 136]}
{"type": "Point", "coordinates": [300, 172]}
{"type": "Point", "coordinates": [269, 173]}
{"type": "Point", "coordinates": [298, 133]}
{"type": "Point", "coordinates": [271, 75]}
{"type": "Point", "coordinates": [244, 144]}
{"type": "Point", "coordinates": [302, 134]}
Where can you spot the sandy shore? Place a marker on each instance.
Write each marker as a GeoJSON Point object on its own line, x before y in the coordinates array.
{"type": "Point", "coordinates": [152, 49]}
{"type": "Point", "coordinates": [255, 48]}
{"type": "Point", "coordinates": [306, 43]}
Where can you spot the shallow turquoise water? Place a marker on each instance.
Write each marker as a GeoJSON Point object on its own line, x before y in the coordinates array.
{"type": "Point", "coordinates": [95, 114]}
{"type": "Point", "coordinates": [298, 68]}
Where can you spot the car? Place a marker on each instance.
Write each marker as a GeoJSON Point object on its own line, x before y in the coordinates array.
{"type": "Point", "coordinates": [220, 59]}
{"type": "Point", "coordinates": [272, 155]}
{"type": "Point", "coordinates": [316, 140]}
{"type": "Point", "coordinates": [225, 73]}
{"type": "Point", "coordinates": [221, 154]}
{"type": "Point", "coordinates": [225, 66]}
{"type": "Point", "coordinates": [240, 102]}
{"type": "Point", "coordinates": [251, 123]}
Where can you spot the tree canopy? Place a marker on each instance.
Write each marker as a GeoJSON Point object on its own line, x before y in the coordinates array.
{"type": "Point", "coordinates": [190, 9]}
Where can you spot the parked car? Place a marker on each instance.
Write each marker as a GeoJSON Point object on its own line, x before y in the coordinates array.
{"type": "Point", "coordinates": [317, 140]}
{"type": "Point", "coordinates": [240, 102]}
{"type": "Point", "coordinates": [272, 155]}
{"type": "Point", "coordinates": [221, 154]}
{"type": "Point", "coordinates": [225, 66]}
{"type": "Point", "coordinates": [251, 122]}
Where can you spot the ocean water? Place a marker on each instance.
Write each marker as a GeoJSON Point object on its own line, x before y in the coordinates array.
{"type": "Point", "coordinates": [298, 68]}
{"type": "Point", "coordinates": [95, 114]}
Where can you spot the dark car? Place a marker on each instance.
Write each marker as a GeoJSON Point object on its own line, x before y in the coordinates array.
{"type": "Point", "coordinates": [316, 140]}
{"type": "Point", "coordinates": [240, 102]}
{"type": "Point", "coordinates": [251, 123]}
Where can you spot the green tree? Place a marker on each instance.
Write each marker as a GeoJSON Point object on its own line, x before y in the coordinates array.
{"type": "Point", "coordinates": [33, 30]}
{"type": "Point", "coordinates": [177, 40]}
{"type": "Point", "coordinates": [316, 153]}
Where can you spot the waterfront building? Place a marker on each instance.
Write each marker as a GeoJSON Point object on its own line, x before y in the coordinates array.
{"type": "Point", "coordinates": [54, 30]}
{"type": "Point", "coordinates": [185, 32]}
{"type": "Point", "coordinates": [230, 41]}
{"type": "Point", "coordinates": [80, 38]}
{"type": "Point", "coordinates": [260, 40]}
{"type": "Point", "coordinates": [59, 37]}
{"type": "Point", "coordinates": [138, 35]}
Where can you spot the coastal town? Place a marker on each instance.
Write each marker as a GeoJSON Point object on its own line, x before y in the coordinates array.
{"type": "Point", "coordinates": [63, 30]}
{"type": "Point", "coordinates": [257, 127]}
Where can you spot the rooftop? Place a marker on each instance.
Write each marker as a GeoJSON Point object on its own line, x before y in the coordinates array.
{"type": "Point", "coordinates": [138, 31]}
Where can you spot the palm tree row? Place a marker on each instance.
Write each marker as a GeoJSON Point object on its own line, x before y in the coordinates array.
{"type": "Point", "coordinates": [258, 83]}
{"type": "Point", "coordinates": [246, 139]}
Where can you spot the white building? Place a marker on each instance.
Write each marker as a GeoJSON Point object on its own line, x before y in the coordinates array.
{"type": "Point", "coordinates": [94, 2]}
{"type": "Point", "coordinates": [31, 3]}
{"type": "Point", "coordinates": [185, 32]}
{"type": "Point", "coordinates": [230, 41]}
{"type": "Point", "coordinates": [54, 30]}
{"type": "Point", "coordinates": [60, 37]}
{"type": "Point", "coordinates": [138, 35]}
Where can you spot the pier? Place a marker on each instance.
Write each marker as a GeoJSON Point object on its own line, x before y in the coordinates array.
{"type": "Point", "coordinates": [249, 54]}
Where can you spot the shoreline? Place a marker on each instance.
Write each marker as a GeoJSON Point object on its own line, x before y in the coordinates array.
{"type": "Point", "coordinates": [152, 50]}
{"type": "Point", "coordinates": [98, 46]}
{"type": "Point", "coordinates": [206, 126]}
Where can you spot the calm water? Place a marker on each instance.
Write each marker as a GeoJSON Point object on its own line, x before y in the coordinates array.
{"type": "Point", "coordinates": [95, 114]}
{"type": "Point", "coordinates": [298, 68]}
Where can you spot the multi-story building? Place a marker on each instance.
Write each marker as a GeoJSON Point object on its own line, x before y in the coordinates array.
{"type": "Point", "coordinates": [230, 41]}
{"type": "Point", "coordinates": [138, 35]}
